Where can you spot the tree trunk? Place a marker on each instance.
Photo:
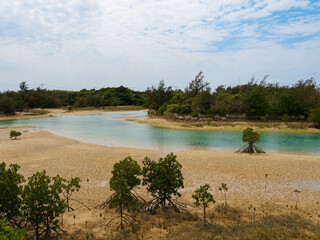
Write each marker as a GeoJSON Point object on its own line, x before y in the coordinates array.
{"type": "Point", "coordinates": [204, 215]}
{"type": "Point", "coordinates": [37, 231]}
{"type": "Point", "coordinates": [251, 148]}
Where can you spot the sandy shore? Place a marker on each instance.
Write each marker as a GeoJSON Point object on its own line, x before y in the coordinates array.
{"type": "Point", "coordinates": [272, 126]}
{"type": "Point", "coordinates": [244, 174]}
{"type": "Point", "coordinates": [56, 112]}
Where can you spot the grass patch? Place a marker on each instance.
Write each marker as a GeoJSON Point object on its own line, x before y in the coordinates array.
{"type": "Point", "coordinates": [268, 227]}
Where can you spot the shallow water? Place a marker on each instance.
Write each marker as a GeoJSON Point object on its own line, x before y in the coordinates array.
{"type": "Point", "coordinates": [105, 129]}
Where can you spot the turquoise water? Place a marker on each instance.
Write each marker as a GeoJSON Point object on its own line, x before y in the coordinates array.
{"type": "Point", "coordinates": [104, 129]}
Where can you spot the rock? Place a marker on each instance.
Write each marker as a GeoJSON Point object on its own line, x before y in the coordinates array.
{"type": "Point", "coordinates": [223, 118]}
{"type": "Point", "coordinates": [152, 112]}
{"type": "Point", "coordinates": [301, 117]}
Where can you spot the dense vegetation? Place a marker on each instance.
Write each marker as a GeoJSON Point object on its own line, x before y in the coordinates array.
{"type": "Point", "coordinates": [25, 98]}
{"type": "Point", "coordinates": [258, 100]}
{"type": "Point", "coordinates": [34, 206]}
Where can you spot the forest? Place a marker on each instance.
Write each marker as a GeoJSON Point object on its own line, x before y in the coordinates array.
{"type": "Point", "coordinates": [11, 101]}
{"type": "Point", "coordinates": [256, 99]}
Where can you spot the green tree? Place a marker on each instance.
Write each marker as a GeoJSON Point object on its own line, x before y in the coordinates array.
{"type": "Point", "coordinates": [156, 97]}
{"type": "Point", "coordinates": [23, 86]}
{"type": "Point", "coordinates": [69, 187]}
{"type": "Point", "coordinates": [163, 180]}
{"type": "Point", "coordinates": [315, 117]}
{"type": "Point", "coordinates": [202, 199]}
{"type": "Point", "coordinates": [224, 190]}
{"type": "Point", "coordinates": [14, 134]}
{"type": "Point", "coordinates": [42, 204]}
{"type": "Point", "coordinates": [123, 181]}
{"type": "Point", "coordinates": [251, 137]}
{"type": "Point", "coordinates": [197, 85]}
{"type": "Point", "coordinates": [9, 233]}
{"type": "Point", "coordinates": [10, 191]}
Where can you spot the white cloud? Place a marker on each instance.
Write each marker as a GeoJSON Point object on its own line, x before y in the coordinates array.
{"type": "Point", "coordinates": [87, 43]}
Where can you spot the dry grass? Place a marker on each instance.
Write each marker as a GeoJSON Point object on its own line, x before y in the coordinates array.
{"type": "Point", "coordinates": [230, 223]}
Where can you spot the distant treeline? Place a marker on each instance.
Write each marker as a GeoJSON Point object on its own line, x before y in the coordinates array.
{"type": "Point", "coordinates": [258, 100]}
{"type": "Point", "coordinates": [11, 101]}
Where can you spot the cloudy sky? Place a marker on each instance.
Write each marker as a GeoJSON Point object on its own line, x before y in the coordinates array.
{"type": "Point", "coordinates": [75, 44]}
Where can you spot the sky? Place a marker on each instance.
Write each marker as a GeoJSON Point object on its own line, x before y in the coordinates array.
{"type": "Point", "coordinates": [76, 44]}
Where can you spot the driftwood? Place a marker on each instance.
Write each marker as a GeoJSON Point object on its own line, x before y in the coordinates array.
{"type": "Point", "coordinates": [250, 149]}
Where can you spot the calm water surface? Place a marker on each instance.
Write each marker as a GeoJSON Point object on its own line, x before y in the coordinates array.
{"type": "Point", "coordinates": [105, 129]}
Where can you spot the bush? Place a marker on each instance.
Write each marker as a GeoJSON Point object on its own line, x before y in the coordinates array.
{"type": "Point", "coordinates": [185, 109]}
{"type": "Point", "coordinates": [42, 203]}
{"type": "Point", "coordinates": [10, 191]}
{"type": "Point", "coordinates": [173, 108]}
{"type": "Point", "coordinates": [14, 134]}
{"type": "Point", "coordinates": [162, 109]}
{"type": "Point", "coordinates": [315, 116]}
{"type": "Point", "coordinates": [163, 180]}
{"type": "Point", "coordinates": [9, 233]}
{"type": "Point", "coordinates": [195, 114]}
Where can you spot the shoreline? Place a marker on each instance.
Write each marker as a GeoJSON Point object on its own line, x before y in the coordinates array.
{"type": "Point", "coordinates": [161, 122]}
{"type": "Point", "coordinates": [56, 112]}
{"type": "Point", "coordinates": [291, 127]}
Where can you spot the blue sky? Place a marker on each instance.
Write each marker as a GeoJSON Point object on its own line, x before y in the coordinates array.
{"type": "Point", "coordinates": [79, 44]}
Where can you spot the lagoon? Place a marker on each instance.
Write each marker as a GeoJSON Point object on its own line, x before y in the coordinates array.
{"type": "Point", "coordinates": [107, 129]}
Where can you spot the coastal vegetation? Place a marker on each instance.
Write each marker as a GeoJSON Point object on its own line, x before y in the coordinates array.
{"type": "Point", "coordinates": [254, 100]}
{"type": "Point", "coordinates": [14, 134]}
{"type": "Point", "coordinates": [25, 98]}
{"type": "Point", "coordinates": [251, 137]}
{"type": "Point", "coordinates": [34, 206]}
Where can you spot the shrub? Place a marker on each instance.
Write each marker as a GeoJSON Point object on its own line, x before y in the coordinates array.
{"type": "Point", "coordinates": [10, 191]}
{"type": "Point", "coordinates": [185, 109]}
{"type": "Point", "coordinates": [163, 180]}
{"type": "Point", "coordinates": [124, 179]}
{"type": "Point", "coordinates": [195, 114]}
{"type": "Point", "coordinates": [162, 109]}
{"type": "Point", "coordinates": [9, 233]}
{"type": "Point", "coordinates": [315, 116]}
{"type": "Point", "coordinates": [203, 198]}
{"type": "Point", "coordinates": [14, 134]}
{"type": "Point", "coordinates": [42, 204]}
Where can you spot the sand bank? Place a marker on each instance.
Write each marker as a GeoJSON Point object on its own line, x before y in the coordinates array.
{"type": "Point", "coordinates": [55, 112]}
{"type": "Point", "coordinates": [269, 126]}
{"type": "Point", "coordinates": [244, 174]}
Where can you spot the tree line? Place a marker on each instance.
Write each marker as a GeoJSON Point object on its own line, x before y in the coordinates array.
{"type": "Point", "coordinates": [257, 99]}
{"type": "Point", "coordinates": [25, 98]}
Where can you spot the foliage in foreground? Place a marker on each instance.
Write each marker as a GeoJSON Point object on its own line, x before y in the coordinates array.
{"type": "Point", "coordinates": [203, 198]}
{"type": "Point", "coordinates": [123, 181]}
{"type": "Point", "coordinates": [10, 191]}
{"type": "Point", "coordinates": [43, 204]}
{"type": "Point", "coordinates": [163, 180]}
{"type": "Point", "coordinates": [7, 232]}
